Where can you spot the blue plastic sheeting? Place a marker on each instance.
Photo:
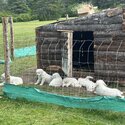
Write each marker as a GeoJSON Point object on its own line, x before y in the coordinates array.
{"type": "Point", "coordinates": [33, 94]}
{"type": "Point", "coordinates": [26, 51]}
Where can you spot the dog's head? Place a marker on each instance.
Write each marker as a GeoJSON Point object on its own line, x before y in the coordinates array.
{"type": "Point", "coordinates": [55, 75]}
{"type": "Point", "coordinates": [100, 82]}
{"type": "Point", "coordinates": [91, 88]}
{"type": "Point", "coordinates": [39, 72]}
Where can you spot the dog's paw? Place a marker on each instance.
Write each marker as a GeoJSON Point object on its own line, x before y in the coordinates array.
{"type": "Point", "coordinates": [41, 84]}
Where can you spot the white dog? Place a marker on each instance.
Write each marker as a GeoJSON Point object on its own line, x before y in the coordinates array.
{"type": "Point", "coordinates": [102, 89]}
{"type": "Point", "coordinates": [43, 77]}
{"type": "Point", "coordinates": [70, 82]}
{"type": "Point", "coordinates": [13, 80]}
{"type": "Point", "coordinates": [57, 80]}
{"type": "Point", "coordinates": [86, 82]}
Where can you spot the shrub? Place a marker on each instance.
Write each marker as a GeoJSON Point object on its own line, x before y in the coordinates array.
{"type": "Point", "coordinates": [22, 17]}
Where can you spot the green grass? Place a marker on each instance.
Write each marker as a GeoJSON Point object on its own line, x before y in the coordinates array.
{"type": "Point", "coordinates": [21, 112]}
{"type": "Point", "coordinates": [24, 33]}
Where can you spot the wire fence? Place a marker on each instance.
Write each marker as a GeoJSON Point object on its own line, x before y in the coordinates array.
{"type": "Point", "coordinates": [53, 56]}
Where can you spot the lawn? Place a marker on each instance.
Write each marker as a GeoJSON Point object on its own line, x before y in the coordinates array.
{"type": "Point", "coordinates": [22, 112]}
{"type": "Point", "coordinates": [24, 31]}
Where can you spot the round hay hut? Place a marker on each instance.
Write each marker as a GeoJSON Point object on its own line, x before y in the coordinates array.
{"type": "Point", "coordinates": [90, 45]}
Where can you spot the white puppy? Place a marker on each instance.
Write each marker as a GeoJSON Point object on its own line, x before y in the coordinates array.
{"type": "Point", "coordinates": [70, 82]}
{"type": "Point", "coordinates": [86, 82]}
{"type": "Point", "coordinates": [13, 80]}
{"type": "Point", "coordinates": [57, 80]}
{"type": "Point", "coordinates": [102, 89]}
{"type": "Point", "coordinates": [43, 77]}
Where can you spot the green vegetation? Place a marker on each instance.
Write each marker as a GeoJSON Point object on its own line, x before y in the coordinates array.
{"type": "Point", "coordinates": [27, 10]}
{"type": "Point", "coordinates": [21, 112]}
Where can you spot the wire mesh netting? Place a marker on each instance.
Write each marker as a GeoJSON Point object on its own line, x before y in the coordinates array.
{"type": "Point", "coordinates": [49, 51]}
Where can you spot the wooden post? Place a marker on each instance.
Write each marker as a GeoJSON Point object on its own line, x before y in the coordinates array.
{"type": "Point", "coordinates": [67, 16]}
{"type": "Point", "coordinates": [6, 49]}
{"type": "Point", "coordinates": [123, 19]}
{"type": "Point", "coordinates": [69, 54]}
{"type": "Point", "coordinates": [11, 37]}
{"type": "Point", "coordinates": [70, 47]}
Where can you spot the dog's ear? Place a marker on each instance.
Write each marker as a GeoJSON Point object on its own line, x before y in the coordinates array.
{"type": "Point", "coordinates": [97, 82]}
{"type": "Point", "coordinates": [89, 77]}
{"type": "Point", "coordinates": [104, 83]}
{"type": "Point", "coordinates": [100, 82]}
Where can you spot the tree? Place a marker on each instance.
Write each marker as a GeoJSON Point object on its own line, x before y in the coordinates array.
{"type": "Point", "coordinates": [68, 7]}
{"type": "Point", "coordinates": [30, 3]}
{"type": "Point", "coordinates": [3, 5]}
{"type": "Point", "coordinates": [18, 6]}
{"type": "Point", "coordinates": [48, 10]}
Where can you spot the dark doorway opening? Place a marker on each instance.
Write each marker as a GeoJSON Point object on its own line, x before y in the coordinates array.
{"type": "Point", "coordinates": [83, 52]}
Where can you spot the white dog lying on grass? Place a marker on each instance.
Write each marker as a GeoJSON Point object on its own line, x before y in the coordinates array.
{"type": "Point", "coordinates": [56, 81]}
{"type": "Point", "coordinates": [102, 89]}
{"type": "Point", "coordinates": [13, 80]}
{"type": "Point", "coordinates": [43, 77]}
{"type": "Point", "coordinates": [87, 83]}
{"type": "Point", "coordinates": [69, 81]}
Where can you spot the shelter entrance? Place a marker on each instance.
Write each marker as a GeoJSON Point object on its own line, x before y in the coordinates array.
{"type": "Point", "coordinates": [83, 52]}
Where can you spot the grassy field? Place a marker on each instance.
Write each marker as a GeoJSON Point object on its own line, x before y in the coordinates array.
{"type": "Point", "coordinates": [21, 112]}
{"type": "Point", "coordinates": [24, 31]}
